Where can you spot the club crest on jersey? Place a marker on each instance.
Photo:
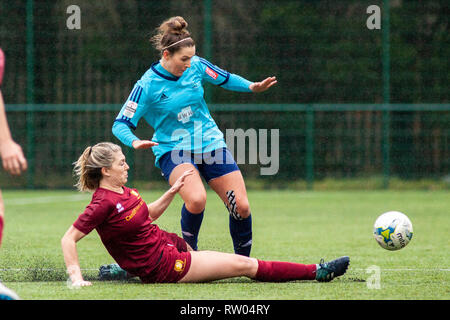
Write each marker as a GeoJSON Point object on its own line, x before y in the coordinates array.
{"type": "Point", "coordinates": [185, 114]}
{"type": "Point", "coordinates": [179, 265]}
{"type": "Point", "coordinates": [211, 73]}
{"type": "Point", "coordinates": [130, 109]}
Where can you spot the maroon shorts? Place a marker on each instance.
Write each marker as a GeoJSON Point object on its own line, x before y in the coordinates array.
{"type": "Point", "coordinates": [174, 262]}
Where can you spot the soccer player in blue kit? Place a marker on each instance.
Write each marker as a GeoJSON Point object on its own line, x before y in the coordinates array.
{"type": "Point", "coordinates": [170, 97]}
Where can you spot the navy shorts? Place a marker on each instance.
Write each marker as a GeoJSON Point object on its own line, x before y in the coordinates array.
{"type": "Point", "coordinates": [211, 165]}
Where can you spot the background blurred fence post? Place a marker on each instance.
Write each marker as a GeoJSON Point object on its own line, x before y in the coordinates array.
{"type": "Point", "coordinates": [207, 41]}
{"type": "Point", "coordinates": [309, 147]}
{"type": "Point", "coordinates": [386, 94]}
{"type": "Point", "coordinates": [30, 93]}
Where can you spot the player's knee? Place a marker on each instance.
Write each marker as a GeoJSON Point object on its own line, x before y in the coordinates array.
{"type": "Point", "coordinates": [237, 206]}
{"type": "Point", "coordinates": [243, 208]}
{"type": "Point", "coordinates": [246, 266]}
{"type": "Point", "coordinates": [196, 203]}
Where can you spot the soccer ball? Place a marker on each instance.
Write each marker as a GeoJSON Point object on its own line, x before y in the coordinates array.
{"type": "Point", "coordinates": [393, 230]}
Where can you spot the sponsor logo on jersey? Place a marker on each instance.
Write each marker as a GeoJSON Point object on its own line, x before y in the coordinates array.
{"type": "Point", "coordinates": [185, 114]}
{"type": "Point", "coordinates": [130, 109]}
{"type": "Point", "coordinates": [211, 73]}
{"type": "Point", "coordinates": [135, 210]}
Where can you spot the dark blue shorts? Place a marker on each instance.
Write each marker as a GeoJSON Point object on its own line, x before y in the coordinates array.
{"type": "Point", "coordinates": [210, 165]}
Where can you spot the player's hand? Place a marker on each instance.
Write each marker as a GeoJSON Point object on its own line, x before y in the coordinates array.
{"type": "Point", "coordinates": [263, 85]}
{"type": "Point", "coordinates": [143, 144]}
{"type": "Point", "coordinates": [81, 283]}
{"type": "Point", "coordinates": [13, 159]}
{"type": "Point", "coordinates": [180, 181]}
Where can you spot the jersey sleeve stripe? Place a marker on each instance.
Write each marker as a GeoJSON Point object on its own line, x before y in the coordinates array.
{"type": "Point", "coordinates": [133, 93]}
{"type": "Point", "coordinates": [225, 81]}
{"type": "Point", "coordinates": [136, 94]}
{"type": "Point", "coordinates": [127, 121]}
{"type": "Point", "coordinates": [139, 96]}
{"type": "Point", "coordinates": [223, 73]}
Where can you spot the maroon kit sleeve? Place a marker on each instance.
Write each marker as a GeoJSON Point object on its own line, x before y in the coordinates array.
{"type": "Point", "coordinates": [94, 214]}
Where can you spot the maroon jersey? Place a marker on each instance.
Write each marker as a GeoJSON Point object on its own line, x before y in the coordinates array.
{"type": "Point", "coordinates": [125, 228]}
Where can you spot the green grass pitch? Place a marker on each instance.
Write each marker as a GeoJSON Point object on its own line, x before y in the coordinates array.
{"type": "Point", "coordinates": [288, 226]}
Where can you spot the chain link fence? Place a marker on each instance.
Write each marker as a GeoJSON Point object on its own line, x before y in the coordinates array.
{"type": "Point", "coordinates": [351, 102]}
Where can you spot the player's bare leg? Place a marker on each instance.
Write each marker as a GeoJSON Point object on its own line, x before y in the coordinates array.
{"type": "Point", "coordinates": [193, 193]}
{"type": "Point", "coordinates": [194, 196]}
{"type": "Point", "coordinates": [212, 265]}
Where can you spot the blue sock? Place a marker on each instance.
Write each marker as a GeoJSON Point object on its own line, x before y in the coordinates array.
{"type": "Point", "coordinates": [190, 226]}
{"type": "Point", "coordinates": [241, 234]}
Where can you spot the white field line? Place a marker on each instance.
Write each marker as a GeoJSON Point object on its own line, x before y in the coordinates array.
{"type": "Point", "coordinates": [404, 269]}
{"type": "Point", "coordinates": [52, 199]}
{"type": "Point", "coordinates": [41, 269]}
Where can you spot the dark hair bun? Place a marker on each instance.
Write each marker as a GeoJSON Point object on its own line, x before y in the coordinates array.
{"type": "Point", "coordinates": [175, 25]}
{"type": "Point", "coordinates": [171, 31]}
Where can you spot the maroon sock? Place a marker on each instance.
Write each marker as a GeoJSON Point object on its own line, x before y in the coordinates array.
{"type": "Point", "coordinates": [276, 271]}
{"type": "Point", "coordinates": [1, 229]}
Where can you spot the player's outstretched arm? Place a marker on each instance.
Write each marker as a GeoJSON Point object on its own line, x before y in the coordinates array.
{"type": "Point", "coordinates": [68, 244]}
{"type": "Point", "coordinates": [143, 144]}
{"type": "Point", "coordinates": [124, 134]}
{"type": "Point", "coordinates": [263, 85]}
{"type": "Point", "coordinates": [157, 208]}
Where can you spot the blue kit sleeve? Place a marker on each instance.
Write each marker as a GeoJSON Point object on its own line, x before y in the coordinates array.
{"type": "Point", "coordinates": [217, 76]}
{"type": "Point", "coordinates": [124, 133]}
{"type": "Point", "coordinates": [127, 119]}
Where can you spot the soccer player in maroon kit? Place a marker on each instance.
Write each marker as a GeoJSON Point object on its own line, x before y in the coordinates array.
{"type": "Point", "coordinates": [125, 225]}
{"type": "Point", "coordinates": [13, 162]}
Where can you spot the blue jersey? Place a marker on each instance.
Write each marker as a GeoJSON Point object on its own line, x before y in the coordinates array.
{"type": "Point", "coordinates": [176, 109]}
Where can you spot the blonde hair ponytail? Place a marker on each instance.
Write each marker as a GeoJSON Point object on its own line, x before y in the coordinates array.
{"type": "Point", "coordinates": [88, 167]}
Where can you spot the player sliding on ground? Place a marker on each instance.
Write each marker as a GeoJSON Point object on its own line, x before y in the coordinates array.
{"type": "Point", "coordinates": [125, 225]}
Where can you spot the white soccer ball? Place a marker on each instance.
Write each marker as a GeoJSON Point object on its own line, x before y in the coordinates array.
{"type": "Point", "coordinates": [393, 230]}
